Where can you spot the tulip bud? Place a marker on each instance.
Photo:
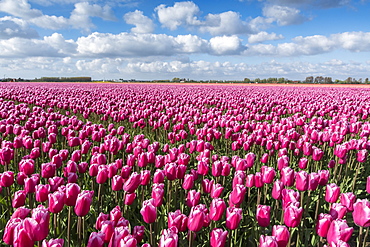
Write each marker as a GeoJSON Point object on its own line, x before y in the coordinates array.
{"type": "Point", "coordinates": [149, 211]}
{"type": "Point", "coordinates": [332, 193]}
{"type": "Point", "coordinates": [233, 217]}
{"type": "Point", "coordinates": [361, 213]}
{"type": "Point", "coordinates": [263, 215]}
{"type": "Point", "coordinates": [53, 243]}
{"type": "Point", "coordinates": [292, 215]}
{"type": "Point", "coordinates": [348, 199]}
{"type": "Point", "coordinates": [337, 211]}
{"type": "Point", "coordinates": [282, 234]}
{"type": "Point", "coordinates": [178, 220]}
{"type": "Point", "coordinates": [72, 191]}
{"type": "Point", "coordinates": [217, 209]}
{"type": "Point", "coordinates": [132, 182]}
{"type": "Point", "coordinates": [218, 237]}
{"type": "Point", "coordinates": [268, 241]}
{"type": "Point", "coordinates": [302, 181]}
{"type": "Point", "coordinates": [169, 238]}
{"type": "Point", "coordinates": [56, 201]}
{"type": "Point", "coordinates": [83, 202]}
{"type": "Point", "coordinates": [96, 239]}
{"type": "Point", "coordinates": [339, 230]}
{"type": "Point", "coordinates": [19, 198]}
{"type": "Point", "coordinates": [196, 218]}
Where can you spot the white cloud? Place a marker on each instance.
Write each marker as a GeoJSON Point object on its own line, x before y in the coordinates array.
{"type": "Point", "coordinates": [51, 22]}
{"type": "Point", "coordinates": [226, 45]}
{"type": "Point", "coordinates": [181, 13]}
{"type": "Point", "coordinates": [80, 17]}
{"type": "Point", "coordinates": [14, 27]}
{"type": "Point", "coordinates": [284, 15]}
{"type": "Point", "coordinates": [226, 23]}
{"type": "Point", "coordinates": [19, 8]}
{"type": "Point", "coordinates": [142, 23]}
{"type": "Point", "coordinates": [191, 43]}
{"type": "Point", "coordinates": [353, 41]}
{"type": "Point", "coordinates": [263, 36]}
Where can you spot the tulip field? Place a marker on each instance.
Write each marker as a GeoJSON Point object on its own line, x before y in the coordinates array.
{"type": "Point", "coordinates": [183, 165]}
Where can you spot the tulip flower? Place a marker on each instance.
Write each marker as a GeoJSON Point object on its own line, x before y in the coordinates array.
{"type": "Point", "coordinates": [233, 217]}
{"type": "Point", "coordinates": [72, 191]}
{"type": "Point", "coordinates": [21, 237]}
{"type": "Point", "coordinates": [287, 176]}
{"type": "Point", "coordinates": [237, 194]}
{"type": "Point", "coordinates": [149, 211]}
{"type": "Point", "coordinates": [263, 215]}
{"type": "Point", "coordinates": [53, 243]}
{"type": "Point", "coordinates": [362, 155]}
{"type": "Point", "coordinates": [193, 198]}
{"type": "Point", "coordinates": [292, 215]}
{"type": "Point", "coordinates": [21, 213]}
{"type": "Point", "coordinates": [348, 199]}
{"type": "Point", "coordinates": [169, 238]}
{"type": "Point", "coordinates": [368, 185]}
{"type": "Point", "coordinates": [9, 235]}
{"type": "Point", "coordinates": [361, 213]}
{"type": "Point", "coordinates": [313, 181]}
{"type": "Point", "coordinates": [19, 198]}
{"type": "Point", "coordinates": [302, 180]}
{"type": "Point", "coordinates": [118, 234]}
{"type": "Point", "coordinates": [188, 182]}
{"type": "Point", "coordinates": [302, 164]}
{"type": "Point", "coordinates": [218, 237]}
{"type": "Point", "coordinates": [117, 183]}
{"type": "Point", "coordinates": [83, 203]}
{"type": "Point", "coordinates": [250, 181]}
{"type": "Point", "coordinates": [42, 191]}
{"type": "Point", "coordinates": [339, 230]}
{"type": "Point", "coordinates": [216, 190]}
{"type": "Point", "coordinates": [268, 241]}
{"type": "Point", "coordinates": [281, 234]}
{"type": "Point", "coordinates": [323, 224]}
{"type": "Point", "coordinates": [196, 218]}
{"type": "Point", "coordinates": [158, 194]}
{"type": "Point", "coordinates": [128, 241]}
{"type": "Point", "coordinates": [268, 174]}
{"type": "Point", "coordinates": [129, 198]}
{"type": "Point", "coordinates": [96, 239]}
{"type": "Point", "coordinates": [178, 220]}
{"type": "Point", "coordinates": [217, 209]}
{"type": "Point", "coordinates": [332, 193]}
{"type": "Point", "coordinates": [7, 179]}
{"type": "Point", "coordinates": [132, 182]}
{"type": "Point", "coordinates": [324, 177]}
{"type": "Point", "coordinates": [337, 211]}
{"type": "Point", "coordinates": [277, 190]}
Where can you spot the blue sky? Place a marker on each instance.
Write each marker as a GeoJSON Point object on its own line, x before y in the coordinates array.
{"type": "Point", "coordinates": [218, 40]}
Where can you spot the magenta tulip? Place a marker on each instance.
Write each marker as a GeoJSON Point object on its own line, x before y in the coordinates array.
{"type": "Point", "coordinates": [169, 238]}
{"type": "Point", "coordinates": [196, 218]}
{"type": "Point", "coordinates": [332, 193]}
{"type": "Point", "coordinates": [323, 224]}
{"type": "Point", "coordinates": [83, 203]}
{"type": "Point", "coordinates": [217, 209]}
{"type": "Point", "coordinates": [96, 239]}
{"type": "Point", "coordinates": [292, 215]}
{"type": "Point", "coordinates": [339, 230]}
{"type": "Point", "coordinates": [361, 213]}
{"type": "Point", "coordinates": [149, 211]}
{"type": "Point", "coordinates": [233, 217]}
{"type": "Point", "coordinates": [268, 241]}
{"type": "Point", "coordinates": [263, 215]}
{"type": "Point", "coordinates": [282, 234]}
{"type": "Point", "coordinates": [178, 220]}
{"type": "Point", "coordinates": [218, 237]}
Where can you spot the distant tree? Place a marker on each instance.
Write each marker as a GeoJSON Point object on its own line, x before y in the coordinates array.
{"type": "Point", "coordinates": [176, 79]}
{"type": "Point", "coordinates": [367, 80]}
{"type": "Point", "coordinates": [309, 79]}
{"type": "Point", "coordinates": [246, 80]}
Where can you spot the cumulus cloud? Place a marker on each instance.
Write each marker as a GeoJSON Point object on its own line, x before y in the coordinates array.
{"type": "Point", "coordinates": [284, 15]}
{"type": "Point", "coordinates": [226, 45]}
{"type": "Point", "coordinates": [263, 36]}
{"type": "Point", "coordinates": [14, 27]}
{"type": "Point", "coordinates": [19, 8]}
{"type": "Point", "coordinates": [142, 23]}
{"type": "Point", "coordinates": [181, 13]}
{"type": "Point", "coordinates": [80, 17]}
{"type": "Point", "coordinates": [226, 23]}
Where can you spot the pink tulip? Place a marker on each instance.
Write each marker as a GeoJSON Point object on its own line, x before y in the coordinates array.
{"type": "Point", "coordinates": [361, 213]}
{"type": "Point", "coordinates": [129, 198]}
{"type": "Point", "coordinates": [324, 177]}
{"type": "Point", "coordinates": [56, 201]}
{"type": "Point", "coordinates": [233, 217]}
{"type": "Point", "coordinates": [332, 193]}
{"type": "Point", "coordinates": [348, 199]}
{"type": "Point", "coordinates": [337, 211]}
{"type": "Point", "coordinates": [169, 238]}
{"type": "Point", "coordinates": [128, 241]}
{"type": "Point", "coordinates": [282, 234]}
{"type": "Point", "coordinates": [287, 176]}
{"type": "Point", "coordinates": [158, 194]}
{"type": "Point", "coordinates": [9, 235]}
{"type": "Point", "coordinates": [118, 234]}
{"type": "Point", "coordinates": [21, 212]}
{"type": "Point", "coordinates": [292, 215]}
{"type": "Point", "coordinates": [313, 181]}
{"type": "Point", "coordinates": [42, 191]}
{"type": "Point", "coordinates": [193, 198]}
{"type": "Point", "coordinates": [96, 239]}
{"type": "Point", "coordinates": [117, 183]}
{"type": "Point", "coordinates": [368, 185]}
{"type": "Point", "coordinates": [178, 220]}
{"type": "Point", "coordinates": [7, 179]}
{"type": "Point", "coordinates": [268, 241]}
{"type": "Point", "coordinates": [149, 211]}
{"type": "Point", "coordinates": [362, 155]}
{"type": "Point", "coordinates": [218, 237]}
{"type": "Point", "coordinates": [72, 191]}
{"type": "Point", "coordinates": [237, 194]}
{"type": "Point", "coordinates": [217, 209]}
{"type": "Point", "coordinates": [53, 243]}
{"type": "Point", "coordinates": [302, 164]}
{"type": "Point", "coordinates": [132, 183]}
{"type": "Point", "coordinates": [323, 224]}
{"type": "Point", "coordinates": [83, 203]}
{"type": "Point", "coordinates": [302, 181]}
{"type": "Point", "coordinates": [277, 190]}
{"type": "Point", "coordinates": [19, 198]}
{"type": "Point", "coordinates": [339, 230]}
{"type": "Point", "coordinates": [216, 190]}
{"type": "Point", "coordinates": [263, 215]}
{"type": "Point", "coordinates": [21, 237]}
{"type": "Point", "coordinates": [197, 217]}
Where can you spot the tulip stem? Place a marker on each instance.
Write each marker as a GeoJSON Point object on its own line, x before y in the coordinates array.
{"type": "Point", "coordinates": [151, 234]}
{"type": "Point", "coordinates": [360, 237]}
{"type": "Point", "coordinates": [99, 197]}
{"type": "Point", "coordinates": [55, 226]}
{"type": "Point", "coordinates": [365, 237]}
{"type": "Point", "coordinates": [69, 226]}
{"type": "Point", "coordinates": [79, 230]}
{"type": "Point", "coordinates": [354, 179]}
{"type": "Point", "coordinates": [190, 239]}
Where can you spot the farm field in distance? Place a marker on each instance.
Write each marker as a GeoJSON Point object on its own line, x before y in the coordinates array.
{"type": "Point", "coordinates": [106, 164]}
